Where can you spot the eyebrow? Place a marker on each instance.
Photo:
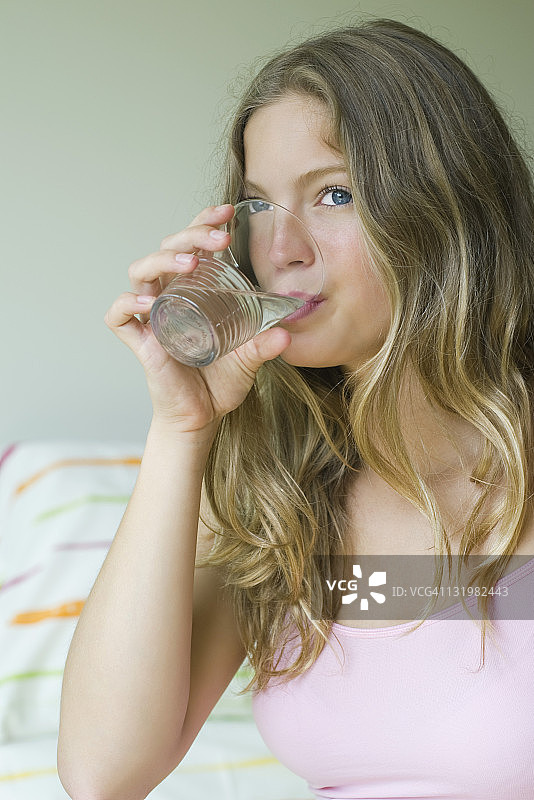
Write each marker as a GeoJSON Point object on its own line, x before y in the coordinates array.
{"type": "Point", "coordinates": [304, 179]}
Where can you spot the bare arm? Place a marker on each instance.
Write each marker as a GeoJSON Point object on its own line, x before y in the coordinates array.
{"type": "Point", "coordinates": [126, 688]}
{"type": "Point", "coordinates": [156, 644]}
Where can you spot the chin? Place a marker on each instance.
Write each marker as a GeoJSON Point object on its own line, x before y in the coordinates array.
{"type": "Point", "coordinates": [298, 359]}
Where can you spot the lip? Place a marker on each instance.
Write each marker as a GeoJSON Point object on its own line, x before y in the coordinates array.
{"type": "Point", "coordinates": [304, 311]}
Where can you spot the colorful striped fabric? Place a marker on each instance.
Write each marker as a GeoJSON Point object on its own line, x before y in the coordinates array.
{"type": "Point", "coordinates": [60, 506]}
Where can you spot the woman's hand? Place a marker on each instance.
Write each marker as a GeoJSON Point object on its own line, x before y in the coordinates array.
{"type": "Point", "coordinates": [190, 398]}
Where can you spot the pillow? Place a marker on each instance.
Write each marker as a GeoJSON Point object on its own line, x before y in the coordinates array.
{"type": "Point", "coordinates": [60, 506]}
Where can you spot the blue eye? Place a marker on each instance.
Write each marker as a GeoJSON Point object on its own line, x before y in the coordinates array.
{"type": "Point", "coordinates": [255, 206]}
{"type": "Point", "coordinates": [338, 196]}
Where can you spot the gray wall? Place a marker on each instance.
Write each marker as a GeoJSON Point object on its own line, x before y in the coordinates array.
{"type": "Point", "coordinates": [111, 116]}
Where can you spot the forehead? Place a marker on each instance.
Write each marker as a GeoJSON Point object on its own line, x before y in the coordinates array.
{"type": "Point", "coordinates": [292, 129]}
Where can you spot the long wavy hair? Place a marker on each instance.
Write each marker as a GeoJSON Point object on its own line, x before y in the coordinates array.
{"type": "Point", "coordinates": [446, 203]}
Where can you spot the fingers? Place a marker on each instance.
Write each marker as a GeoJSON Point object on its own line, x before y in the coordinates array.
{"type": "Point", "coordinates": [264, 347]}
{"type": "Point", "coordinates": [150, 274]}
{"type": "Point", "coordinates": [120, 318]}
{"type": "Point", "coordinates": [209, 218]}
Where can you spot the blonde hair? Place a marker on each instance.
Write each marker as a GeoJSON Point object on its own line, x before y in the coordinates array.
{"type": "Point", "coordinates": [446, 203]}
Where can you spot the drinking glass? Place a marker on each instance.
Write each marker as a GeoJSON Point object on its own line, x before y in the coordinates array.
{"type": "Point", "coordinates": [272, 268]}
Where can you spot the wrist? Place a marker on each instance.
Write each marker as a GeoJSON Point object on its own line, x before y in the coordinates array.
{"type": "Point", "coordinates": [173, 432]}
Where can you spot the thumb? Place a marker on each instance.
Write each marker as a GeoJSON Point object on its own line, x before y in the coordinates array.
{"type": "Point", "coordinates": [264, 347]}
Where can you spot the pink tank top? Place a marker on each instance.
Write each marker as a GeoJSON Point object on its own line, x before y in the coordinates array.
{"type": "Point", "coordinates": [413, 716]}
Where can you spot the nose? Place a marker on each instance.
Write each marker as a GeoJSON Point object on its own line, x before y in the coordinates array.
{"type": "Point", "coordinates": [290, 245]}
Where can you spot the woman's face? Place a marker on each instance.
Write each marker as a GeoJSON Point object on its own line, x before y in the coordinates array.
{"type": "Point", "coordinates": [287, 161]}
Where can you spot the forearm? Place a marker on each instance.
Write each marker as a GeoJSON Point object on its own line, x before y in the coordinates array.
{"type": "Point", "coordinates": [126, 682]}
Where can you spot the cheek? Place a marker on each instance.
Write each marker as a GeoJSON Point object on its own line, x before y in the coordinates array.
{"type": "Point", "coordinates": [374, 312]}
{"type": "Point", "coordinates": [342, 246]}
{"type": "Point", "coordinates": [377, 299]}
{"type": "Point", "coordinates": [363, 299]}
{"type": "Point", "coordinates": [347, 263]}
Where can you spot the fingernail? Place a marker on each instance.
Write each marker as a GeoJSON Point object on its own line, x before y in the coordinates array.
{"type": "Point", "coordinates": [184, 258]}
{"type": "Point", "coordinates": [145, 299]}
{"type": "Point", "coordinates": [218, 234]}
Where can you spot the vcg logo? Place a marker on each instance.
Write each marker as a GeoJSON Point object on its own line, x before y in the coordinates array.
{"type": "Point", "coordinates": [375, 579]}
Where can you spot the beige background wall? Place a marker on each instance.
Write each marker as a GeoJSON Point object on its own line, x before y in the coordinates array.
{"type": "Point", "coordinates": [111, 112]}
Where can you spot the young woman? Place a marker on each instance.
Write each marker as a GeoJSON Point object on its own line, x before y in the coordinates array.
{"type": "Point", "coordinates": [394, 418]}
